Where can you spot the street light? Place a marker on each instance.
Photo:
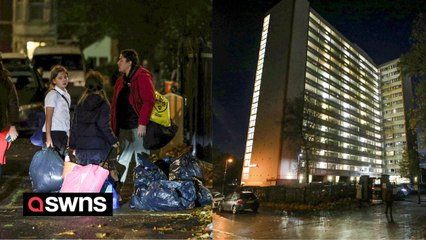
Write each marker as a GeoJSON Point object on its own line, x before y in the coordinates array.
{"type": "Point", "coordinates": [229, 160]}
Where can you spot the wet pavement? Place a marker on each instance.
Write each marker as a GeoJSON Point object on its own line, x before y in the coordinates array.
{"type": "Point", "coordinates": [125, 222]}
{"type": "Point", "coordinates": [368, 222]}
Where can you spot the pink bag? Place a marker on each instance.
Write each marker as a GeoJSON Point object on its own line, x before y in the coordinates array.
{"type": "Point", "coordinates": [89, 179]}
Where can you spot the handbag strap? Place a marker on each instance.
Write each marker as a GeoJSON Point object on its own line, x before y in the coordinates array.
{"type": "Point", "coordinates": [66, 100]}
{"type": "Point", "coordinates": [111, 164]}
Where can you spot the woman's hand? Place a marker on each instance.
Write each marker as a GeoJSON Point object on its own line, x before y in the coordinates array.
{"type": "Point", "coordinates": [141, 130]}
{"type": "Point", "coordinates": [49, 142]}
{"type": "Point", "coordinates": [117, 147]}
{"type": "Point", "coordinates": [13, 133]}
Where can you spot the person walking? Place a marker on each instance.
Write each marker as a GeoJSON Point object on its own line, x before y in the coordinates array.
{"type": "Point", "coordinates": [132, 103]}
{"type": "Point", "coordinates": [91, 134]}
{"type": "Point", "coordinates": [387, 194]}
{"type": "Point", "coordinates": [358, 194]}
{"type": "Point", "coordinates": [57, 104]}
{"type": "Point", "coordinates": [9, 113]}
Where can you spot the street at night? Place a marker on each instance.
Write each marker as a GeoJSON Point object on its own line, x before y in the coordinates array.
{"type": "Point", "coordinates": [368, 222]}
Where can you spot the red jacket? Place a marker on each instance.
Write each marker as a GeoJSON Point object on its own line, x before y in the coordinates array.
{"type": "Point", "coordinates": [142, 97]}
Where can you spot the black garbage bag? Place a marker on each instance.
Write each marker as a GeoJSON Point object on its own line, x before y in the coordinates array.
{"type": "Point", "coordinates": [158, 197]}
{"type": "Point", "coordinates": [204, 197]}
{"type": "Point", "coordinates": [185, 167]}
{"type": "Point", "coordinates": [169, 159]}
{"type": "Point", "coordinates": [164, 166]}
{"type": "Point", "coordinates": [185, 190]}
{"type": "Point", "coordinates": [46, 171]}
{"type": "Point", "coordinates": [147, 173]}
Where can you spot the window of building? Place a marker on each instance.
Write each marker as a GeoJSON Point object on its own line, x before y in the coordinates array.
{"type": "Point", "coordinates": [390, 153]}
{"type": "Point", "coordinates": [91, 61]}
{"type": "Point", "coordinates": [5, 11]}
{"type": "Point", "coordinates": [36, 10]}
{"type": "Point", "coordinates": [20, 10]}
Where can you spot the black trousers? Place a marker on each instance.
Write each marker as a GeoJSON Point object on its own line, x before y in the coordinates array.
{"type": "Point", "coordinates": [60, 142]}
{"type": "Point", "coordinates": [389, 210]}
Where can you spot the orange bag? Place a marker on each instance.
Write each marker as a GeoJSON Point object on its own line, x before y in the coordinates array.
{"type": "Point", "coordinates": [68, 166]}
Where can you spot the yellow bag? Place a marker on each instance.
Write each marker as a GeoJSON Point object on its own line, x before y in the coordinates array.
{"type": "Point", "coordinates": [161, 112]}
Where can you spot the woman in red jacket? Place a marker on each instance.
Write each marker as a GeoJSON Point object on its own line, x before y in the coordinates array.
{"type": "Point", "coordinates": [9, 113]}
{"type": "Point", "coordinates": [132, 103]}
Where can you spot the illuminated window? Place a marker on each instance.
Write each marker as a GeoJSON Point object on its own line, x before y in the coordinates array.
{"type": "Point", "coordinates": [255, 99]}
{"type": "Point", "coordinates": [325, 95]}
{"type": "Point", "coordinates": [322, 165]}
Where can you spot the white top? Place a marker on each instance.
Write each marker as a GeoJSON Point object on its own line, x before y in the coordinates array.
{"type": "Point", "coordinates": [61, 111]}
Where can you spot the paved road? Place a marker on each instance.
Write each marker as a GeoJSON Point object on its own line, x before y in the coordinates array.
{"type": "Point", "coordinates": [368, 222]}
{"type": "Point", "coordinates": [126, 223]}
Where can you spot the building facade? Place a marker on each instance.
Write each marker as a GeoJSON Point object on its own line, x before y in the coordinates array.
{"type": "Point", "coordinates": [34, 24]}
{"type": "Point", "coordinates": [302, 56]}
{"type": "Point", "coordinates": [394, 118]}
{"type": "Point", "coordinates": [6, 7]}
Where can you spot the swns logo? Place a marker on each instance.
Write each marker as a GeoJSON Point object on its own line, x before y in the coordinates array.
{"type": "Point", "coordinates": [67, 204]}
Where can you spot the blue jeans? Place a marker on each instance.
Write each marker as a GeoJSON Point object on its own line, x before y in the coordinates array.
{"type": "Point", "coordinates": [131, 144]}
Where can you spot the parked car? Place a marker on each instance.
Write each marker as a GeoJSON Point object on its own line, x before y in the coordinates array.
{"type": "Point", "coordinates": [217, 198]}
{"type": "Point", "coordinates": [400, 192]}
{"type": "Point", "coordinates": [71, 57]}
{"type": "Point", "coordinates": [239, 201]}
{"type": "Point", "coordinates": [409, 187]}
{"type": "Point", "coordinates": [31, 90]}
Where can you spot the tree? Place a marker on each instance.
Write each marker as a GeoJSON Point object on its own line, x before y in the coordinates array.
{"type": "Point", "coordinates": [413, 65]}
{"type": "Point", "coordinates": [409, 165]}
{"type": "Point", "coordinates": [302, 128]}
{"type": "Point", "coordinates": [414, 62]}
{"type": "Point", "coordinates": [156, 29]}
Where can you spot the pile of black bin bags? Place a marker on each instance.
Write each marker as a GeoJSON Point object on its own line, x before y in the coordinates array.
{"type": "Point", "coordinates": [169, 184]}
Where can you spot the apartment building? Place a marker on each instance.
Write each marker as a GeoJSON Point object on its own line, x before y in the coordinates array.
{"type": "Point", "coordinates": [397, 99]}
{"type": "Point", "coordinates": [302, 55]}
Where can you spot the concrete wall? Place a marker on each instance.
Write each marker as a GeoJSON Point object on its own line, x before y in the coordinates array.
{"type": "Point", "coordinates": [282, 78]}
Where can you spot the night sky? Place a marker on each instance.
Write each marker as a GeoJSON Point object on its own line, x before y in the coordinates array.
{"type": "Point", "coordinates": [381, 28]}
